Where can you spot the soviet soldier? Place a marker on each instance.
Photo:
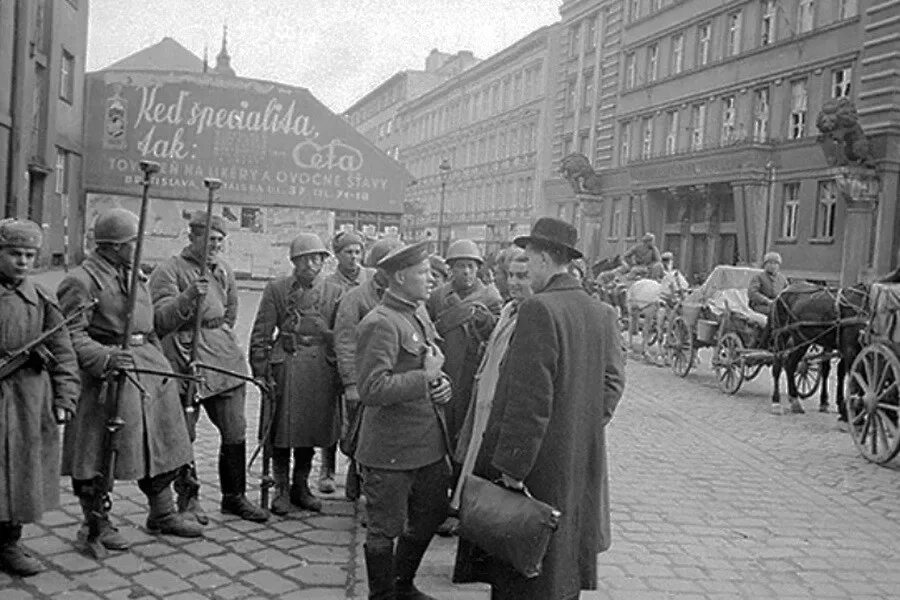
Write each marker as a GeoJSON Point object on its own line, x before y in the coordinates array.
{"type": "Point", "coordinates": [175, 287]}
{"type": "Point", "coordinates": [354, 305]}
{"type": "Point", "coordinates": [39, 394]}
{"type": "Point", "coordinates": [153, 443]}
{"type": "Point", "coordinates": [292, 344]}
{"type": "Point", "coordinates": [402, 449]}
{"type": "Point", "coordinates": [350, 273]}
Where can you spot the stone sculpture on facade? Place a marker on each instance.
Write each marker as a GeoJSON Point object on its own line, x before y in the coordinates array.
{"type": "Point", "coordinates": [577, 170]}
{"type": "Point", "coordinates": [841, 136]}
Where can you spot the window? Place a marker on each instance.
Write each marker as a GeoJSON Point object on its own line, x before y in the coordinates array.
{"type": "Point", "coordinates": [677, 53]}
{"type": "Point", "coordinates": [631, 225]}
{"type": "Point", "coordinates": [517, 89]}
{"type": "Point", "coordinates": [789, 209]}
{"type": "Point", "coordinates": [584, 144]}
{"type": "Point", "coordinates": [704, 35]}
{"type": "Point", "coordinates": [825, 210]}
{"type": "Point", "coordinates": [66, 75]}
{"type": "Point", "coordinates": [652, 62]}
{"type": "Point", "coordinates": [647, 137]}
{"type": "Point", "coordinates": [590, 34]}
{"type": "Point", "coordinates": [587, 96]}
{"type": "Point", "coordinates": [769, 19]}
{"type": "Point", "coordinates": [798, 109]}
{"type": "Point", "coordinates": [634, 10]}
{"type": "Point", "coordinates": [615, 223]}
{"type": "Point", "coordinates": [570, 96]}
{"type": "Point", "coordinates": [728, 120]}
{"type": "Point", "coordinates": [625, 142]}
{"type": "Point", "coordinates": [529, 192]}
{"type": "Point", "coordinates": [567, 146]}
{"type": "Point", "coordinates": [671, 131]}
{"type": "Point", "coordinates": [62, 171]}
{"type": "Point", "coordinates": [574, 43]}
{"type": "Point", "coordinates": [840, 82]}
{"type": "Point", "coordinates": [529, 83]}
{"type": "Point", "coordinates": [848, 8]}
{"type": "Point", "coordinates": [654, 6]}
{"type": "Point", "coordinates": [698, 124]}
{"type": "Point", "coordinates": [507, 93]}
{"type": "Point", "coordinates": [629, 70]}
{"type": "Point", "coordinates": [761, 115]}
{"type": "Point", "coordinates": [733, 45]}
{"type": "Point", "coordinates": [806, 15]}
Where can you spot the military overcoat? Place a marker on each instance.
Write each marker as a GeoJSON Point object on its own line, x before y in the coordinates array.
{"type": "Point", "coordinates": [174, 315]}
{"type": "Point", "coordinates": [154, 439]}
{"type": "Point", "coordinates": [292, 341]}
{"type": "Point", "coordinates": [558, 388]}
{"type": "Point", "coordinates": [354, 305]}
{"type": "Point", "coordinates": [29, 436]}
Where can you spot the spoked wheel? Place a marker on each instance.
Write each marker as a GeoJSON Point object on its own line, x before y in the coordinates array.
{"type": "Point", "coordinates": [808, 376]}
{"type": "Point", "coordinates": [727, 363]}
{"type": "Point", "coordinates": [680, 347]}
{"type": "Point", "coordinates": [873, 403]}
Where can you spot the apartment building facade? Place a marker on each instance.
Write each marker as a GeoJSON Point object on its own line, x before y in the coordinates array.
{"type": "Point", "coordinates": [476, 146]}
{"type": "Point", "coordinates": [43, 44]}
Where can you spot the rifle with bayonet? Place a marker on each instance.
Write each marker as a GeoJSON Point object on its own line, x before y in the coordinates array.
{"type": "Point", "coordinates": [15, 360]}
{"type": "Point", "coordinates": [115, 384]}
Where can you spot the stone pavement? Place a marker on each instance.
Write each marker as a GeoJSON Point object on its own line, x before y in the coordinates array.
{"type": "Point", "coordinates": [712, 497]}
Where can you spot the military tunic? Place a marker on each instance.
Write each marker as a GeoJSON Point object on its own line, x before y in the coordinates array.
{"type": "Point", "coordinates": [346, 283]}
{"type": "Point", "coordinates": [29, 436]}
{"type": "Point", "coordinates": [292, 334]}
{"type": "Point", "coordinates": [154, 439]}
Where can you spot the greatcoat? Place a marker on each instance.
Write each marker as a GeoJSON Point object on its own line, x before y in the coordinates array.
{"type": "Point", "coordinates": [292, 335]}
{"type": "Point", "coordinates": [464, 326]}
{"type": "Point", "coordinates": [154, 439]}
{"type": "Point", "coordinates": [29, 436]}
{"type": "Point", "coordinates": [354, 305]}
{"type": "Point", "coordinates": [346, 283]}
{"type": "Point", "coordinates": [558, 388]}
{"type": "Point", "coordinates": [174, 320]}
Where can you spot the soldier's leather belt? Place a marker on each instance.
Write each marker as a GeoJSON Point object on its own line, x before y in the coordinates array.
{"type": "Point", "coordinates": [302, 340]}
{"type": "Point", "coordinates": [135, 339]}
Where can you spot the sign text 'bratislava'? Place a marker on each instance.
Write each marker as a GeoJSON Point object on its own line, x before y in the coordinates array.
{"type": "Point", "coordinates": [268, 143]}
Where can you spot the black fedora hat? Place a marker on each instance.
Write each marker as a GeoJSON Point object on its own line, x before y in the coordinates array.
{"type": "Point", "coordinates": [553, 232]}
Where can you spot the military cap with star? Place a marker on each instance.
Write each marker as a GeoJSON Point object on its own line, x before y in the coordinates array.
{"type": "Point", "coordinates": [216, 223]}
{"type": "Point", "coordinates": [20, 233]}
{"type": "Point", "coordinates": [404, 257]}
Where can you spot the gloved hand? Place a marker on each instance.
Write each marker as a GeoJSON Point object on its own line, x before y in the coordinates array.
{"type": "Point", "coordinates": [119, 360]}
{"type": "Point", "coordinates": [440, 390]}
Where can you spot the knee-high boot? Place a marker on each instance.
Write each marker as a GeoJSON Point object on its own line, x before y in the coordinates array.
{"type": "Point", "coordinates": [233, 478]}
{"type": "Point", "coordinates": [380, 570]}
{"type": "Point", "coordinates": [281, 466]}
{"type": "Point", "coordinates": [408, 558]}
{"type": "Point", "coordinates": [300, 493]}
{"type": "Point", "coordinates": [187, 487]}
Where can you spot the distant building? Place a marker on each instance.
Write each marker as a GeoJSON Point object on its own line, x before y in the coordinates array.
{"type": "Point", "coordinates": [42, 53]}
{"type": "Point", "coordinates": [487, 127]}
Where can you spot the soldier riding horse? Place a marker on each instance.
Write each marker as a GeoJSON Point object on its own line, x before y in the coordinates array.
{"type": "Point", "coordinates": [807, 314]}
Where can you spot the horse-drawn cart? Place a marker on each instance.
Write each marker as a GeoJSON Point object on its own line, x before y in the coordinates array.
{"type": "Point", "coordinates": [873, 389]}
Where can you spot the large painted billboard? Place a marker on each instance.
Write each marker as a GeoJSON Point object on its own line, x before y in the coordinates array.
{"type": "Point", "coordinates": [270, 144]}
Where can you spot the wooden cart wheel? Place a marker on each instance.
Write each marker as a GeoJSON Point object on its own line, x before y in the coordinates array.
{"type": "Point", "coordinates": [728, 364]}
{"type": "Point", "coordinates": [680, 347]}
{"type": "Point", "coordinates": [873, 403]}
{"type": "Point", "coordinates": [808, 376]}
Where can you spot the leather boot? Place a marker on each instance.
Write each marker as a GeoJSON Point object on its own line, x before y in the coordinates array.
{"type": "Point", "coordinates": [14, 559]}
{"type": "Point", "coordinates": [233, 478]}
{"type": "Point", "coordinates": [408, 558]}
{"type": "Point", "coordinates": [326, 473]}
{"type": "Point", "coordinates": [164, 519]}
{"type": "Point", "coordinates": [281, 464]}
{"type": "Point", "coordinates": [380, 572]}
{"type": "Point", "coordinates": [300, 494]}
{"type": "Point", "coordinates": [108, 535]}
{"type": "Point", "coordinates": [187, 486]}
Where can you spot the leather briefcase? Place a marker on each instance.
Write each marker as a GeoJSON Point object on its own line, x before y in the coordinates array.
{"type": "Point", "coordinates": [510, 525]}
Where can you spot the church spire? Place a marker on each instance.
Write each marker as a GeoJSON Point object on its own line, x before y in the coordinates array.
{"type": "Point", "coordinates": [223, 60]}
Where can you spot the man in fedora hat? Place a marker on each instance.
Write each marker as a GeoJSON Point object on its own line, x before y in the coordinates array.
{"type": "Point", "coordinates": [557, 390]}
{"type": "Point", "coordinates": [175, 287]}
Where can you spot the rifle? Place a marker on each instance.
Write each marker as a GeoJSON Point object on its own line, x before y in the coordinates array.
{"type": "Point", "coordinates": [192, 398]}
{"type": "Point", "coordinates": [115, 384]}
{"type": "Point", "coordinates": [14, 361]}
{"type": "Point", "coordinates": [267, 411]}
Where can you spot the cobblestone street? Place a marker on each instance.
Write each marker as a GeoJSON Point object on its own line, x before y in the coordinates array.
{"type": "Point", "coordinates": [712, 497]}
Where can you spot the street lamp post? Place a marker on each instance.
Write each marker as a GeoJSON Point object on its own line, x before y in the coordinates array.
{"type": "Point", "coordinates": [444, 170]}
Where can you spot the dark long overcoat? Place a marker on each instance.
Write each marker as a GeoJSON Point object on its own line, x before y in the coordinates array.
{"type": "Point", "coordinates": [559, 385]}
{"type": "Point", "coordinates": [307, 412]}
{"type": "Point", "coordinates": [29, 436]}
{"type": "Point", "coordinates": [463, 330]}
{"type": "Point", "coordinates": [154, 439]}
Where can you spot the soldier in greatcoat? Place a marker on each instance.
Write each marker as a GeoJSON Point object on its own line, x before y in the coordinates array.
{"type": "Point", "coordinates": [35, 397]}
{"type": "Point", "coordinates": [154, 443]}
{"type": "Point", "coordinates": [402, 449]}
{"type": "Point", "coordinates": [353, 306]}
{"type": "Point", "coordinates": [175, 286]}
{"type": "Point", "coordinates": [349, 274]}
{"type": "Point", "coordinates": [292, 343]}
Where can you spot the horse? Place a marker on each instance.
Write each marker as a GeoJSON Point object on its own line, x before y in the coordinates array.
{"type": "Point", "coordinates": [807, 314]}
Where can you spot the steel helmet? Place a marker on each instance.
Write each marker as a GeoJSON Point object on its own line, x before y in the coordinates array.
{"type": "Point", "coordinates": [116, 226]}
{"type": "Point", "coordinates": [307, 243]}
{"type": "Point", "coordinates": [464, 249]}
{"type": "Point", "coordinates": [380, 249]}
